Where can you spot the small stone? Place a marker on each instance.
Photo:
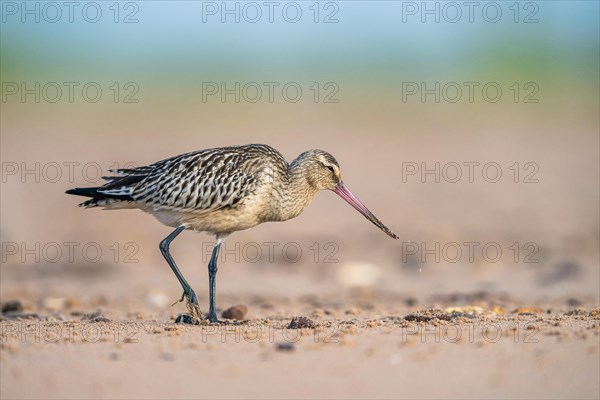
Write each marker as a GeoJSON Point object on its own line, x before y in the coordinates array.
{"type": "Point", "coordinates": [95, 316]}
{"type": "Point", "coordinates": [595, 313]}
{"type": "Point", "coordinates": [285, 347]}
{"type": "Point", "coordinates": [236, 312]}
{"type": "Point", "coordinates": [573, 302]}
{"type": "Point", "coordinates": [410, 301]}
{"type": "Point", "coordinates": [301, 322]}
{"type": "Point", "coordinates": [12, 305]}
{"type": "Point", "coordinates": [185, 319]}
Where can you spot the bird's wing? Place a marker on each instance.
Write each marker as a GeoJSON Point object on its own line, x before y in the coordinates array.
{"type": "Point", "coordinates": [199, 181]}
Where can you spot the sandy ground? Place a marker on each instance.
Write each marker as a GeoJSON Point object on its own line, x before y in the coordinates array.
{"type": "Point", "coordinates": [377, 348]}
{"type": "Point", "coordinates": [380, 322]}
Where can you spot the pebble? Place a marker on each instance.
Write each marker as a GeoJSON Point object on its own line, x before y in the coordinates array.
{"type": "Point", "coordinates": [236, 312]}
{"type": "Point", "coordinates": [185, 319]}
{"type": "Point", "coordinates": [573, 302]}
{"type": "Point", "coordinates": [410, 301]}
{"type": "Point", "coordinates": [285, 347]}
{"type": "Point", "coordinates": [95, 316]}
{"type": "Point", "coordinates": [12, 305]}
{"type": "Point", "coordinates": [301, 322]}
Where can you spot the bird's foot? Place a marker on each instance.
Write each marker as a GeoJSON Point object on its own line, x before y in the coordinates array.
{"type": "Point", "coordinates": [213, 319]}
{"type": "Point", "coordinates": [190, 294]}
{"type": "Point", "coordinates": [191, 303]}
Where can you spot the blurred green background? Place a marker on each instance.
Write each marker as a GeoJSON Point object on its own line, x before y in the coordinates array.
{"type": "Point", "coordinates": [368, 48]}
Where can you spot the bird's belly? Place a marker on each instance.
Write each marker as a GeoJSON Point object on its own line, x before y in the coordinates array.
{"type": "Point", "coordinates": [218, 221]}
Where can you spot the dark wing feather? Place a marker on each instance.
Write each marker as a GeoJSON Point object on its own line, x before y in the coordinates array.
{"type": "Point", "coordinates": [205, 180]}
{"type": "Point", "coordinates": [199, 181]}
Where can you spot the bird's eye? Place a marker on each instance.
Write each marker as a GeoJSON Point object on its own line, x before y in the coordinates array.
{"type": "Point", "coordinates": [330, 167]}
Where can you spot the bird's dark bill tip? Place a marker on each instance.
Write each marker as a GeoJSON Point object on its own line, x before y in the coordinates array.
{"type": "Point", "coordinates": [345, 193]}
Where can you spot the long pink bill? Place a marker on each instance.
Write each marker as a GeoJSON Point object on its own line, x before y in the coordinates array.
{"type": "Point", "coordinates": [342, 191]}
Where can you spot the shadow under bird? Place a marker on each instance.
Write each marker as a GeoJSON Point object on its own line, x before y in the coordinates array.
{"type": "Point", "coordinates": [221, 191]}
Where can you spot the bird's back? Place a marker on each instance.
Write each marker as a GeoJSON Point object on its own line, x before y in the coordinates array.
{"type": "Point", "coordinates": [198, 182]}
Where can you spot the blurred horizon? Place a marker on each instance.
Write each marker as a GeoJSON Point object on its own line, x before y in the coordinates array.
{"type": "Point", "coordinates": [368, 47]}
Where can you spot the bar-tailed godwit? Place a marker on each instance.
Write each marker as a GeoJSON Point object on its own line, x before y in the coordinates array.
{"type": "Point", "coordinates": [221, 191]}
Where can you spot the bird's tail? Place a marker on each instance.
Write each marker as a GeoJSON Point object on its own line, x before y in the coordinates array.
{"type": "Point", "coordinates": [98, 198]}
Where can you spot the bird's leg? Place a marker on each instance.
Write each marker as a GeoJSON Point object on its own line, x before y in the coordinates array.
{"type": "Point", "coordinates": [188, 292]}
{"type": "Point", "coordinates": [212, 275]}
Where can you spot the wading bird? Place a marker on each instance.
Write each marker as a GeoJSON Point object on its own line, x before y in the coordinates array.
{"type": "Point", "coordinates": [221, 191]}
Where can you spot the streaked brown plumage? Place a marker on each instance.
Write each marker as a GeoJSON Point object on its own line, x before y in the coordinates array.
{"type": "Point", "coordinates": [221, 191]}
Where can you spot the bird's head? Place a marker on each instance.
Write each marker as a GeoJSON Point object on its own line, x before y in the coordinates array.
{"type": "Point", "coordinates": [322, 172]}
{"type": "Point", "coordinates": [321, 169]}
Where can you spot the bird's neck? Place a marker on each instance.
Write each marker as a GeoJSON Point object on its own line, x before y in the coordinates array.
{"type": "Point", "coordinates": [296, 192]}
